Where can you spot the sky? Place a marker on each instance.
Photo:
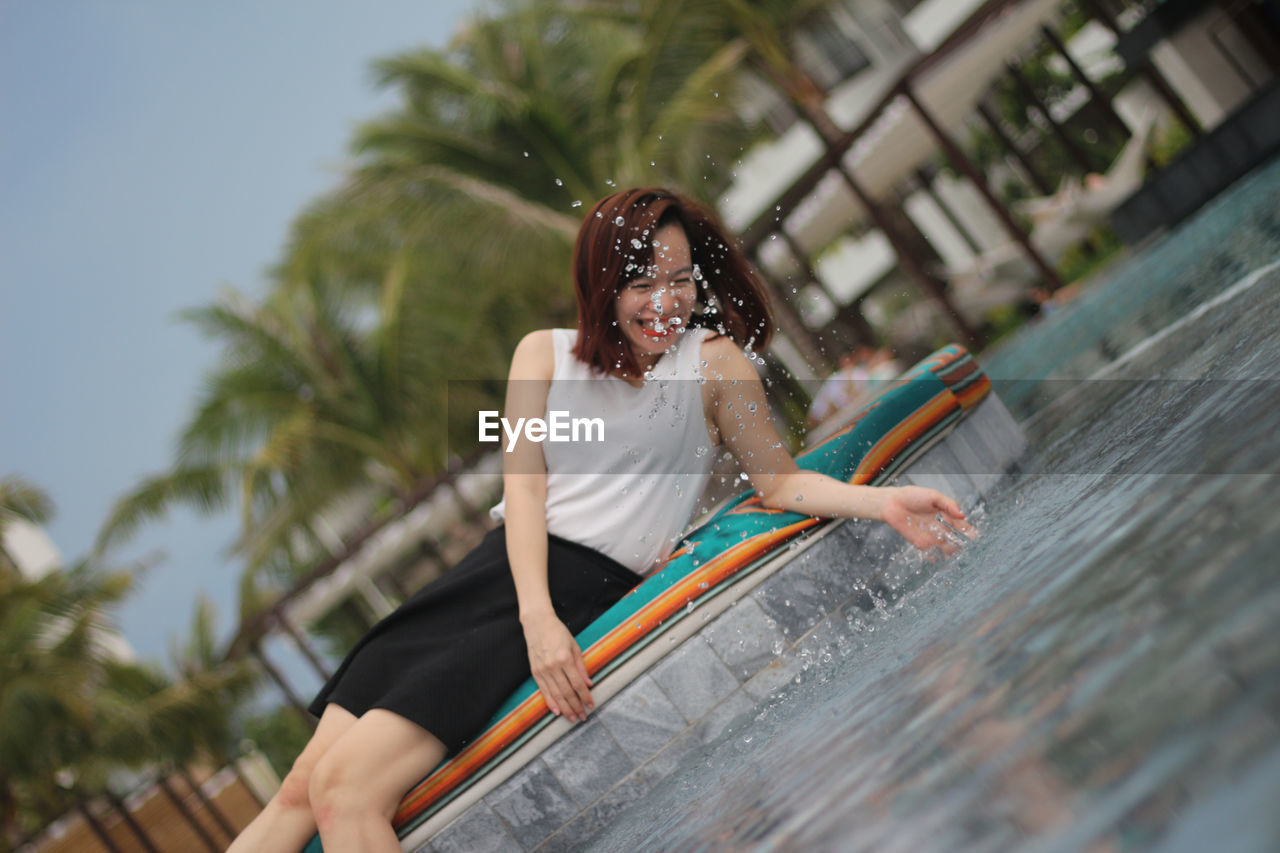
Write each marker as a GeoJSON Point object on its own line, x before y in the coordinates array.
{"type": "Point", "coordinates": [153, 153]}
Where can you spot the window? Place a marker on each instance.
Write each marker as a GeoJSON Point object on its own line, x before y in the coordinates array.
{"type": "Point", "coordinates": [828, 51]}
{"type": "Point", "coordinates": [903, 7]}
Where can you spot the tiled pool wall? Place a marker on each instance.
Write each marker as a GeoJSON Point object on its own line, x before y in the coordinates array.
{"type": "Point", "coordinates": [730, 667]}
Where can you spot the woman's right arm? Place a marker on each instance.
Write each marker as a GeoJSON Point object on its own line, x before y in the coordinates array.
{"type": "Point", "coordinates": [554, 657]}
{"type": "Point", "coordinates": [741, 413]}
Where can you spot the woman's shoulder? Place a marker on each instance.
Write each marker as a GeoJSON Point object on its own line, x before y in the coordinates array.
{"type": "Point", "coordinates": [723, 359]}
{"type": "Point", "coordinates": [535, 355]}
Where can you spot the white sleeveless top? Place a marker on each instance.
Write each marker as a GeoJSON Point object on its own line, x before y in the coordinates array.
{"type": "Point", "coordinates": [631, 495]}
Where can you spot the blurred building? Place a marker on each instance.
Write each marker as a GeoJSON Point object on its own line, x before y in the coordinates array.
{"type": "Point", "coordinates": [188, 812]}
{"type": "Point", "coordinates": [28, 547]}
{"type": "Point", "coordinates": [897, 77]}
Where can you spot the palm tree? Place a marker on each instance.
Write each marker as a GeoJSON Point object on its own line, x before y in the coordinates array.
{"type": "Point", "coordinates": [20, 499]}
{"type": "Point", "coordinates": [549, 105]}
{"type": "Point", "coordinates": [299, 410]}
{"type": "Point", "coordinates": [76, 709]}
{"type": "Point", "coordinates": [52, 664]}
{"type": "Point", "coordinates": [451, 236]}
{"type": "Point", "coordinates": [528, 116]}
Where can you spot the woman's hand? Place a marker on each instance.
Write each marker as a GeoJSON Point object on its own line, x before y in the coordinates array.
{"type": "Point", "coordinates": [926, 518]}
{"type": "Point", "coordinates": [557, 666]}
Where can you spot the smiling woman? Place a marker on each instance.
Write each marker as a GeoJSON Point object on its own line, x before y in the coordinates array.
{"type": "Point", "coordinates": [666, 258]}
{"type": "Point", "coordinates": [657, 304]}
{"type": "Point", "coordinates": [666, 305]}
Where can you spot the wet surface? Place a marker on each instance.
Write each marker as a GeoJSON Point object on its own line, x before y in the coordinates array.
{"type": "Point", "coordinates": [1099, 672]}
{"type": "Point", "coordinates": [1235, 234]}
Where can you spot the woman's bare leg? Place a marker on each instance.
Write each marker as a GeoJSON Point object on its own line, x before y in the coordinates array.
{"type": "Point", "coordinates": [286, 822]}
{"type": "Point", "coordinates": [363, 776]}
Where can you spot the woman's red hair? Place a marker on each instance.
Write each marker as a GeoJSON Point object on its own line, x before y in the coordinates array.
{"type": "Point", "coordinates": [731, 297]}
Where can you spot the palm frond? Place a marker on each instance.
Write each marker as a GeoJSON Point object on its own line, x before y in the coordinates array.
{"type": "Point", "coordinates": [202, 487]}
{"type": "Point", "coordinates": [23, 499]}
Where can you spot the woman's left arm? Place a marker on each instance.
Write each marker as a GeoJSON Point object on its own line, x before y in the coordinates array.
{"type": "Point", "coordinates": [741, 413]}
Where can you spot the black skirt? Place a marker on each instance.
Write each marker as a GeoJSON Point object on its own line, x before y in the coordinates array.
{"type": "Point", "coordinates": [454, 651]}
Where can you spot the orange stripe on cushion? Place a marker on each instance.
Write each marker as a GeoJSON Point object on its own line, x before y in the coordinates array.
{"type": "Point", "coordinates": [901, 436]}
{"type": "Point", "coordinates": [974, 392]}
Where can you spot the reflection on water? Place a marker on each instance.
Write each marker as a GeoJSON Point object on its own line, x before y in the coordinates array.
{"type": "Point", "coordinates": [1100, 672]}
{"type": "Point", "coordinates": [1235, 234]}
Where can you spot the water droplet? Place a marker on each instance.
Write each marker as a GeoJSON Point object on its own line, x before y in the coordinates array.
{"type": "Point", "coordinates": [619, 222]}
{"type": "Point", "coordinates": [559, 182]}
{"type": "Point", "coordinates": [636, 244]}
{"type": "Point", "coordinates": [577, 203]}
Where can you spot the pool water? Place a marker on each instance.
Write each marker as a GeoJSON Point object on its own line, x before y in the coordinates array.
{"type": "Point", "coordinates": [1101, 671]}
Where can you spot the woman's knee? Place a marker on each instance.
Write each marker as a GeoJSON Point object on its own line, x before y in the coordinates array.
{"type": "Point", "coordinates": [336, 788]}
{"type": "Point", "coordinates": [294, 790]}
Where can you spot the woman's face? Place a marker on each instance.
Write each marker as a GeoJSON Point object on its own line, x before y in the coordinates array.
{"type": "Point", "coordinates": [653, 308]}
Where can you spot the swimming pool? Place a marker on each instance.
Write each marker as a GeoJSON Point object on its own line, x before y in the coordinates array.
{"type": "Point", "coordinates": [1100, 671]}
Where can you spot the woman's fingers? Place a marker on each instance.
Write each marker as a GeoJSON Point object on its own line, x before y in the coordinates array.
{"type": "Point", "coordinates": [574, 697]}
{"type": "Point", "coordinates": [949, 506]}
{"type": "Point", "coordinates": [554, 690]}
{"type": "Point", "coordinates": [558, 668]}
{"type": "Point", "coordinates": [581, 682]}
{"type": "Point", "coordinates": [964, 528]}
{"type": "Point", "coordinates": [566, 690]}
{"type": "Point", "coordinates": [929, 520]}
{"type": "Point", "coordinates": [953, 518]}
{"type": "Point", "coordinates": [564, 696]}
{"type": "Point", "coordinates": [547, 694]}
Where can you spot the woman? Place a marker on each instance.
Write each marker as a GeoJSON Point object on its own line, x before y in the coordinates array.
{"type": "Point", "coordinates": [666, 306]}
